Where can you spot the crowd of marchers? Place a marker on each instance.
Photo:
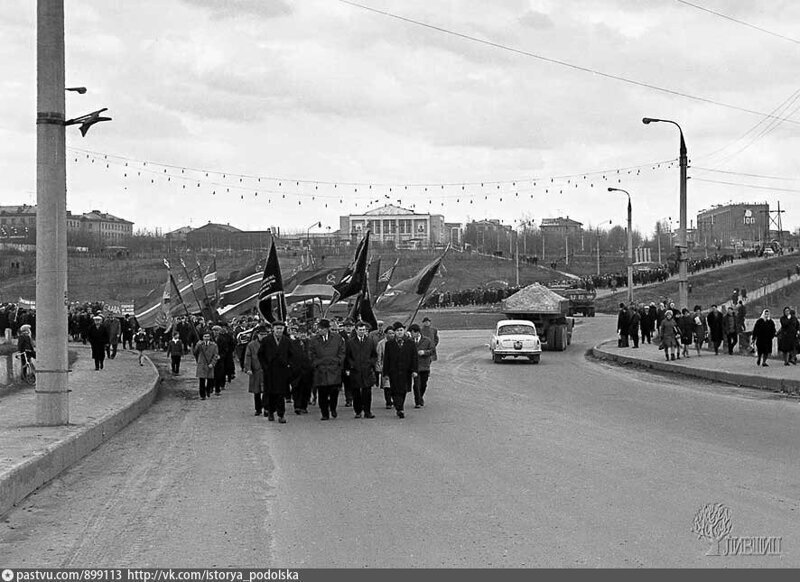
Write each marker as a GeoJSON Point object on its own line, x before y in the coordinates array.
{"type": "Point", "coordinates": [679, 332]}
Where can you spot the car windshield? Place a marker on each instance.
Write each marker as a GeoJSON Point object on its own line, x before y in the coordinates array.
{"type": "Point", "coordinates": [516, 330]}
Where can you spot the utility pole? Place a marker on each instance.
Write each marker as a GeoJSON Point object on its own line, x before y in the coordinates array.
{"type": "Point", "coordinates": [52, 391]}
{"type": "Point", "coordinates": [598, 251]}
{"type": "Point", "coordinates": [517, 253]}
{"type": "Point", "coordinates": [543, 260]}
{"type": "Point", "coordinates": [658, 236]}
{"type": "Point", "coordinates": [566, 250]}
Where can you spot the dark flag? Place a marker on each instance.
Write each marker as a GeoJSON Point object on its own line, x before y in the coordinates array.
{"type": "Point", "coordinates": [362, 309]}
{"type": "Point", "coordinates": [355, 276]}
{"type": "Point", "coordinates": [271, 300]}
{"type": "Point", "coordinates": [408, 293]}
{"type": "Point", "coordinates": [374, 272]}
{"type": "Point", "coordinates": [384, 279]}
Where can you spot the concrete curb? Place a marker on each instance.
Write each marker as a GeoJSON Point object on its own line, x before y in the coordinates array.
{"type": "Point", "coordinates": [737, 379]}
{"type": "Point", "coordinates": [48, 464]}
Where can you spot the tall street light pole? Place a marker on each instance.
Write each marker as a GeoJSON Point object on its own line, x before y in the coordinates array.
{"type": "Point", "coordinates": [630, 243]}
{"type": "Point", "coordinates": [52, 391]}
{"type": "Point", "coordinates": [683, 271]}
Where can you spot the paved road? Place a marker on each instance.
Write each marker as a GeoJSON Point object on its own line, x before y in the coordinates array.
{"type": "Point", "coordinates": [568, 463]}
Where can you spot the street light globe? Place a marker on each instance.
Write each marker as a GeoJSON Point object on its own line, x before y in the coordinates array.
{"type": "Point", "coordinates": [647, 120]}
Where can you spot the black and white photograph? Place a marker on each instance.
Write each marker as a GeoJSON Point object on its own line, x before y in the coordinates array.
{"type": "Point", "coordinates": [337, 289]}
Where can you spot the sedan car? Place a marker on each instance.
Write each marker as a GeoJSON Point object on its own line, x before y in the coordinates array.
{"type": "Point", "coordinates": [515, 338]}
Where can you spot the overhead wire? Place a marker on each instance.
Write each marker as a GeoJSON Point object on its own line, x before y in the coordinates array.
{"type": "Point", "coordinates": [561, 62]}
{"type": "Point", "coordinates": [742, 22]}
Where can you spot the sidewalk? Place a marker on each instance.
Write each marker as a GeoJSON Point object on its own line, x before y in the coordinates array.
{"type": "Point", "coordinates": [737, 369]}
{"type": "Point", "coordinates": [101, 404]}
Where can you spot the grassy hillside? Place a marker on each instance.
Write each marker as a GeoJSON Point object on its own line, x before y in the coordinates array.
{"type": "Point", "coordinates": [714, 286]}
{"type": "Point", "coordinates": [95, 278]}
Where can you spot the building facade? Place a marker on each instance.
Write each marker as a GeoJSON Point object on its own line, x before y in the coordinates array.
{"type": "Point", "coordinates": [733, 226]}
{"type": "Point", "coordinates": [392, 224]}
{"type": "Point", "coordinates": [100, 227]}
{"type": "Point", "coordinates": [560, 226]}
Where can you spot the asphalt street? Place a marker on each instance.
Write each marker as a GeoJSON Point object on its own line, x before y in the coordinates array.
{"type": "Point", "coordinates": [568, 463]}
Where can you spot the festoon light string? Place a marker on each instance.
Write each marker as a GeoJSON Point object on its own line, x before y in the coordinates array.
{"type": "Point", "coordinates": [360, 194]}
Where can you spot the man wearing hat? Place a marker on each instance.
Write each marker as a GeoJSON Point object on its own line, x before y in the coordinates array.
{"type": "Point", "coordinates": [252, 367]}
{"type": "Point", "coordinates": [400, 362]}
{"type": "Point", "coordinates": [432, 334]}
{"type": "Point", "coordinates": [98, 339]}
{"type": "Point", "coordinates": [425, 351]}
{"type": "Point", "coordinates": [347, 333]}
{"type": "Point", "coordinates": [327, 359]}
{"type": "Point", "coordinates": [276, 355]}
{"type": "Point", "coordinates": [206, 355]}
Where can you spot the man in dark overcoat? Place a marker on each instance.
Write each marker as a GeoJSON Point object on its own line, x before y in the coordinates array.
{"type": "Point", "coordinates": [303, 372]}
{"type": "Point", "coordinates": [97, 335]}
{"type": "Point", "coordinates": [400, 363]}
{"type": "Point", "coordinates": [359, 369]}
{"type": "Point", "coordinates": [277, 357]}
{"type": "Point", "coordinates": [327, 359]}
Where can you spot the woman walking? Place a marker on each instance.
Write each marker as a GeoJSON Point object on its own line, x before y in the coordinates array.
{"type": "Point", "coordinates": [787, 336]}
{"type": "Point", "coordinates": [668, 332]}
{"type": "Point", "coordinates": [763, 334]}
{"type": "Point", "coordinates": [700, 328]}
{"type": "Point", "coordinates": [686, 326]}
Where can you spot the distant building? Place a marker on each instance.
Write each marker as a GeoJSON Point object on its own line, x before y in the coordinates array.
{"type": "Point", "coordinates": [106, 227]}
{"type": "Point", "coordinates": [560, 226]}
{"type": "Point", "coordinates": [393, 224]}
{"type": "Point", "coordinates": [99, 226]}
{"type": "Point", "coordinates": [454, 233]}
{"type": "Point", "coordinates": [733, 225]}
{"type": "Point", "coordinates": [179, 234]}
{"type": "Point", "coordinates": [225, 236]}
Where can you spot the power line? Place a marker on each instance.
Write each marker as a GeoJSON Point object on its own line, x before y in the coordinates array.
{"type": "Point", "coordinates": [785, 178]}
{"type": "Point", "coordinates": [560, 62]}
{"type": "Point", "coordinates": [754, 186]}
{"type": "Point", "coordinates": [742, 22]}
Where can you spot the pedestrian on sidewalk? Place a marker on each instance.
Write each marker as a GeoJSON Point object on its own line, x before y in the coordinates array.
{"type": "Point", "coordinates": [686, 325]}
{"type": "Point", "coordinates": [633, 324]}
{"type": "Point", "coordinates": [763, 334]}
{"type": "Point", "coordinates": [787, 336]}
{"type": "Point", "coordinates": [669, 334]}
{"type": "Point", "coordinates": [730, 328]}
{"type": "Point", "coordinates": [716, 328]}
{"type": "Point", "coordinates": [622, 326]}
{"type": "Point", "coordinates": [700, 331]}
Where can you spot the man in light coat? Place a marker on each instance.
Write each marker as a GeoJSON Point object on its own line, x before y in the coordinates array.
{"type": "Point", "coordinates": [425, 352]}
{"type": "Point", "coordinates": [207, 355]}
{"type": "Point", "coordinates": [252, 367]}
{"type": "Point", "coordinates": [327, 359]}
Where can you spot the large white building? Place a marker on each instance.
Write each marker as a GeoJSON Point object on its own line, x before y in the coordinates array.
{"type": "Point", "coordinates": [400, 226]}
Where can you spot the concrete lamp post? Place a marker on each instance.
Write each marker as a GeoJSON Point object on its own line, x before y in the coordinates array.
{"type": "Point", "coordinates": [630, 243]}
{"type": "Point", "coordinates": [683, 271]}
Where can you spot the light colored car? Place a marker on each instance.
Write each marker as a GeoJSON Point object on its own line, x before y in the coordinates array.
{"type": "Point", "coordinates": [515, 338]}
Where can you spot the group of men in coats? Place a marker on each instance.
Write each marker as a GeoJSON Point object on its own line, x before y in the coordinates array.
{"type": "Point", "coordinates": [279, 364]}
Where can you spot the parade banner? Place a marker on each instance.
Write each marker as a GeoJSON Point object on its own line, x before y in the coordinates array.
{"type": "Point", "coordinates": [355, 275]}
{"type": "Point", "coordinates": [271, 300]}
{"type": "Point", "coordinates": [408, 294]}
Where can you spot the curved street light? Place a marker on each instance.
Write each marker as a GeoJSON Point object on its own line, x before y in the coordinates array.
{"type": "Point", "coordinates": [683, 272]}
{"type": "Point", "coordinates": [630, 243]}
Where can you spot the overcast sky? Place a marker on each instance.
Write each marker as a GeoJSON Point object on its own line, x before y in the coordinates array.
{"type": "Point", "coordinates": [340, 98]}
